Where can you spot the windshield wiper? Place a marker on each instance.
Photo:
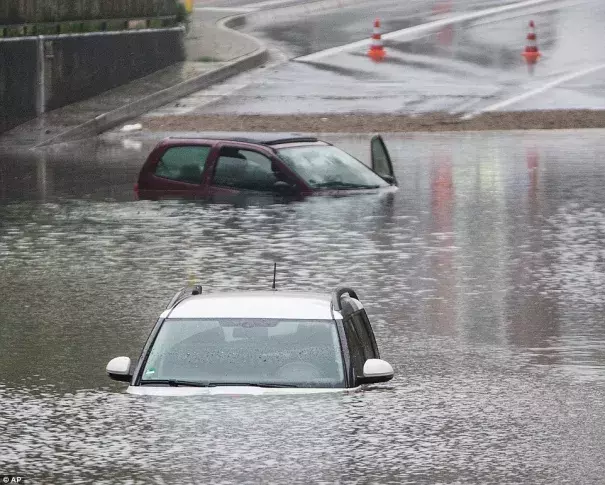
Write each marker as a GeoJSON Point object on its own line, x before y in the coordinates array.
{"type": "Point", "coordinates": [178, 382]}
{"type": "Point", "coordinates": [345, 185]}
{"type": "Point", "coordinates": [173, 382]}
{"type": "Point", "coordinates": [254, 384]}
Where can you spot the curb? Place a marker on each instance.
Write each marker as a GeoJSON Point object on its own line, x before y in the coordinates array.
{"type": "Point", "coordinates": [111, 119]}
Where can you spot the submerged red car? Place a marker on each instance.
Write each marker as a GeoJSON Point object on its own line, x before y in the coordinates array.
{"type": "Point", "coordinates": [211, 168]}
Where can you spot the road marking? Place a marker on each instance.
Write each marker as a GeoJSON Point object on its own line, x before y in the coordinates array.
{"type": "Point", "coordinates": [423, 28]}
{"type": "Point", "coordinates": [530, 11]}
{"type": "Point", "coordinates": [249, 7]}
{"type": "Point", "coordinates": [534, 92]}
{"type": "Point", "coordinates": [269, 3]}
{"type": "Point", "coordinates": [225, 9]}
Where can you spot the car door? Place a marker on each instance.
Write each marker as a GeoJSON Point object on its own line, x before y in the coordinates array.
{"type": "Point", "coordinates": [360, 336]}
{"type": "Point", "coordinates": [177, 171]}
{"type": "Point", "coordinates": [246, 172]}
{"type": "Point", "coordinates": [381, 160]}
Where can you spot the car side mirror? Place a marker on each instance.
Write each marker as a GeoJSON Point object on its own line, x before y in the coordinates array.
{"type": "Point", "coordinates": [118, 369]}
{"type": "Point", "coordinates": [375, 371]}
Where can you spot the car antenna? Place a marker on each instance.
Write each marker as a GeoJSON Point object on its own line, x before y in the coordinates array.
{"type": "Point", "coordinates": [274, 275]}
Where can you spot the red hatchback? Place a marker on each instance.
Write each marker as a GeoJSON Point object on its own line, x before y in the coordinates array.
{"type": "Point", "coordinates": [218, 169]}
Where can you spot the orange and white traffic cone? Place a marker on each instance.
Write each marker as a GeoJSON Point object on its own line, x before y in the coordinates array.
{"type": "Point", "coordinates": [531, 52]}
{"type": "Point", "coordinates": [441, 9]}
{"type": "Point", "coordinates": [377, 52]}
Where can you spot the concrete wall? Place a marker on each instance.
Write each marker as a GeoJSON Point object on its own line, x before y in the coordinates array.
{"type": "Point", "coordinates": [84, 65]}
{"type": "Point", "coordinates": [18, 80]}
{"type": "Point", "coordinates": [38, 74]}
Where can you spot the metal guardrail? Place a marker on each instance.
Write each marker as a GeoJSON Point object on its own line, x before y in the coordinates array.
{"type": "Point", "coordinates": [83, 26]}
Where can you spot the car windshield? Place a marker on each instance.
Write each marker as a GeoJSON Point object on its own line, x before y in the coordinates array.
{"type": "Point", "coordinates": [325, 166]}
{"type": "Point", "coordinates": [259, 352]}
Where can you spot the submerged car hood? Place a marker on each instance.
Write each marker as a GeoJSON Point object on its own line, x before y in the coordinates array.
{"type": "Point", "coordinates": [231, 390]}
{"type": "Point", "coordinates": [346, 192]}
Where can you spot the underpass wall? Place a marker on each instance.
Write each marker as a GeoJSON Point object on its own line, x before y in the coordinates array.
{"type": "Point", "coordinates": [80, 66]}
{"type": "Point", "coordinates": [39, 74]}
{"type": "Point", "coordinates": [18, 80]}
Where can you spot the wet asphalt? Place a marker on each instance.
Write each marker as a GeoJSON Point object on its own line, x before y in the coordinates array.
{"type": "Point", "coordinates": [461, 68]}
{"type": "Point", "coordinates": [483, 277]}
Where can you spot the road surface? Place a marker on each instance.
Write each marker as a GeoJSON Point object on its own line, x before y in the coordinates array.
{"type": "Point", "coordinates": [465, 67]}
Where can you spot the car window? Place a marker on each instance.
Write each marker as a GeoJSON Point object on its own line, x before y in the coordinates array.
{"type": "Point", "coordinates": [325, 166]}
{"type": "Point", "coordinates": [356, 348]}
{"type": "Point", "coordinates": [302, 353]}
{"type": "Point", "coordinates": [184, 163]}
{"type": "Point", "coordinates": [244, 169]}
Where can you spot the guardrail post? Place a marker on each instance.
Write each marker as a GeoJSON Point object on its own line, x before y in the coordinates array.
{"type": "Point", "coordinates": [41, 81]}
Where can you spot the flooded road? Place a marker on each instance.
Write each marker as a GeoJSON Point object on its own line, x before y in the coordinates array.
{"type": "Point", "coordinates": [483, 276]}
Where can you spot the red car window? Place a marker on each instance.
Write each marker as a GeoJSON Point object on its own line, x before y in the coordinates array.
{"type": "Point", "coordinates": [183, 163]}
{"type": "Point", "coordinates": [244, 169]}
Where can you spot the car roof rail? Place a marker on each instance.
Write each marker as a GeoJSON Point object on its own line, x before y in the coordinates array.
{"type": "Point", "coordinates": [251, 140]}
{"type": "Point", "coordinates": [301, 139]}
{"type": "Point", "coordinates": [183, 294]}
{"type": "Point", "coordinates": [337, 294]}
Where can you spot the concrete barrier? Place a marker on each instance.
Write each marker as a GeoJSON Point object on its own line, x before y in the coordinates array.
{"type": "Point", "coordinates": [43, 73]}
{"type": "Point", "coordinates": [18, 81]}
{"type": "Point", "coordinates": [78, 66]}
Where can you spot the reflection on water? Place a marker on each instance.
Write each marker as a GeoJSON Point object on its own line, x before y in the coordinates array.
{"type": "Point", "coordinates": [483, 276]}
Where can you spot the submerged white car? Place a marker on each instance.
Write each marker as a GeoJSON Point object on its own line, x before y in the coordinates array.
{"type": "Point", "coordinates": [256, 343]}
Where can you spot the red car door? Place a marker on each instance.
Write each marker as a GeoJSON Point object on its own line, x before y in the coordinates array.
{"type": "Point", "coordinates": [175, 170]}
{"type": "Point", "coordinates": [381, 160]}
{"type": "Point", "coordinates": [242, 170]}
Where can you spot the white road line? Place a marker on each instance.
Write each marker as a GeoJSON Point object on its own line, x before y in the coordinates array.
{"type": "Point", "coordinates": [423, 28]}
{"type": "Point", "coordinates": [269, 3]}
{"type": "Point", "coordinates": [534, 92]}
{"type": "Point", "coordinates": [249, 7]}
{"type": "Point", "coordinates": [224, 9]}
{"type": "Point", "coordinates": [530, 11]}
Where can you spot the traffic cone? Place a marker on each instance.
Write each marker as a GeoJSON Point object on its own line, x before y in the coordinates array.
{"type": "Point", "coordinates": [442, 8]}
{"type": "Point", "coordinates": [376, 52]}
{"type": "Point", "coordinates": [531, 52]}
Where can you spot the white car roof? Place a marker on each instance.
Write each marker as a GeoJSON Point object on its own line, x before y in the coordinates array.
{"type": "Point", "coordinates": [255, 304]}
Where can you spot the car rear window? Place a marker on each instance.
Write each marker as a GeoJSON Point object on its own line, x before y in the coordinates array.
{"type": "Point", "coordinates": [183, 163]}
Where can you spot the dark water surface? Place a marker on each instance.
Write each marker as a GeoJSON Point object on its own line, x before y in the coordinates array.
{"type": "Point", "coordinates": [484, 277]}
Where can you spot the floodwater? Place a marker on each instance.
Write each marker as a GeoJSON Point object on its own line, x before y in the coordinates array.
{"type": "Point", "coordinates": [483, 275]}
